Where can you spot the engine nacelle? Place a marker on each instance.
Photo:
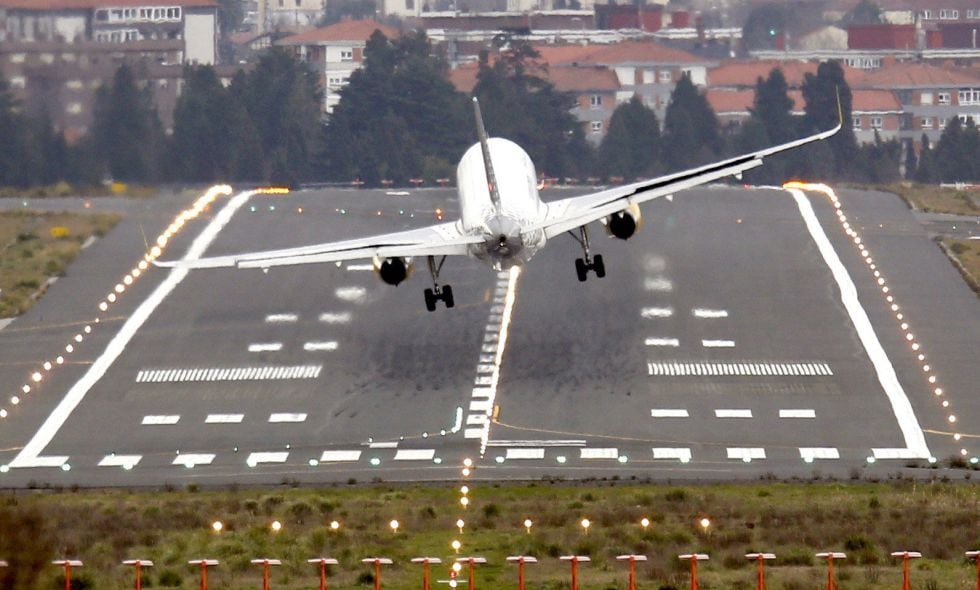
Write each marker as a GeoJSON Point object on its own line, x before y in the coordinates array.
{"type": "Point", "coordinates": [393, 270]}
{"type": "Point", "coordinates": [625, 223]}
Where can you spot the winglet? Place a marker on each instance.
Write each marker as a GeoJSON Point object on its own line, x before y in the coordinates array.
{"type": "Point", "coordinates": [485, 147]}
{"type": "Point", "coordinates": [840, 108]}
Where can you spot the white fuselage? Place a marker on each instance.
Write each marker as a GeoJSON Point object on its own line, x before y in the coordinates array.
{"type": "Point", "coordinates": [511, 230]}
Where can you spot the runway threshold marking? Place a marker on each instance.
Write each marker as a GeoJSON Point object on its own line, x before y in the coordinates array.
{"type": "Point", "coordinates": [30, 455]}
{"type": "Point", "coordinates": [738, 369]}
{"type": "Point", "coordinates": [259, 373]}
{"type": "Point", "coordinates": [340, 456]}
{"type": "Point", "coordinates": [125, 461]}
{"type": "Point", "coordinates": [915, 440]}
{"type": "Point", "coordinates": [808, 454]}
{"type": "Point", "coordinates": [682, 454]}
{"type": "Point", "coordinates": [193, 459]}
{"type": "Point", "coordinates": [746, 453]}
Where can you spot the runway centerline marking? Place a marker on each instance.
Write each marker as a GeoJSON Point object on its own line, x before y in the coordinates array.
{"type": "Point", "coordinates": [797, 414]}
{"type": "Point", "coordinates": [733, 413]}
{"type": "Point", "coordinates": [286, 417]}
{"type": "Point", "coordinates": [335, 318]}
{"type": "Point", "coordinates": [668, 413]}
{"type": "Point", "coordinates": [160, 420]}
{"type": "Point", "coordinates": [265, 347]}
{"type": "Point", "coordinates": [718, 343]}
{"type": "Point", "coordinates": [126, 461]}
{"type": "Point", "coordinates": [672, 342]}
{"type": "Point", "coordinates": [699, 312]}
{"type": "Point", "coordinates": [224, 419]}
{"type": "Point", "coordinates": [656, 312]}
{"type": "Point", "coordinates": [281, 318]}
{"type": "Point", "coordinates": [340, 456]}
{"type": "Point", "coordinates": [30, 454]}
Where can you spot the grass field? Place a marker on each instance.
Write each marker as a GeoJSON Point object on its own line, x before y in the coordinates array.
{"type": "Point", "coordinates": [794, 520]}
{"type": "Point", "coordinates": [935, 199]}
{"type": "Point", "coordinates": [35, 246]}
{"type": "Point", "coordinates": [967, 252]}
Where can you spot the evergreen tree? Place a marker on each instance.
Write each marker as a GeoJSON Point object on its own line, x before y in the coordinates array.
{"type": "Point", "coordinates": [690, 128]}
{"type": "Point", "coordinates": [127, 131]}
{"type": "Point", "coordinates": [926, 171]}
{"type": "Point", "coordinates": [911, 161]}
{"type": "Point", "coordinates": [821, 92]}
{"type": "Point", "coordinates": [772, 123]}
{"type": "Point", "coordinates": [202, 128]}
{"type": "Point", "coordinates": [631, 147]}
{"type": "Point", "coordinates": [957, 151]}
{"type": "Point", "coordinates": [14, 140]}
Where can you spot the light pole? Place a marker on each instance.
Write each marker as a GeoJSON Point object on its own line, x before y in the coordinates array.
{"type": "Point", "coordinates": [470, 573]}
{"type": "Point", "coordinates": [378, 562]}
{"type": "Point", "coordinates": [632, 559]}
{"type": "Point", "coordinates": [830, 556]}
{"type": "Point", "coordinates": [520, 560]}
{"type": "Point", "coordinates": [323, 562]}
{"type": "Point", "coordinates": [761, 558]}
{"type": "Point", "coordinates": [425, 561]}
{"type": "Point", "coordinates": [975, 556]}
{"type": "Point", "coordinates": [906, 557]}
{"type": "Point", "coordinates": [265, 563]}
{"type": "Point", "coordinates": [67, 564]}
{"type": "Point", "coordinates": [694, 558]}
{"type": "Point", "coordinates": [575, 559]}
{"type": "Point", "coordinates": [205, 564]}
{"type": "Point", "coordinates": [139, 564]}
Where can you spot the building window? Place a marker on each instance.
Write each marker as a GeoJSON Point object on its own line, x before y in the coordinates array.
{"type": "Point", "coordinates": [927, 122]}
{"type": "Point", "coordinates": [926, 15]}
{"type": "Point", "coordinates": [18, 82]}
{"type": "Point", "coordinates": [346, 55]}
{"type": "Point", "coordinates": [595, 101]}
{"type": "Point", "coordinates": [409, 4]}
{"type": "Point", "coordinates": [74, 108]}
{"type": "Point", "coordinates": [17, 58]}
{"type": "Point", "coordinates": [969, 96]}
{"type": "Point", "coordinates": [876, 122]}
{"type": "Point", "coordinates": [926, 98]}
{"type": "Point", "coordinates": [949, 14]}
{"type": "Point", "coordinates": [596, 126]}
{"type": "Point", "coordinates": [942, 98]}
{"type": "Point", "coordinates": [966, 119]}
{"type": "Point", "coordinates": [942, 122]}
{"type": "Point", "coordinates": [73, 85]}
{"type": "Point", "coordinates": [857, 122]}
{"type": "Point", "coordinates": [665, 77]}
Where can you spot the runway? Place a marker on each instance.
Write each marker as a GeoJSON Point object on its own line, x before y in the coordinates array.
{"type": "Point", "coordinates": [718, 346]}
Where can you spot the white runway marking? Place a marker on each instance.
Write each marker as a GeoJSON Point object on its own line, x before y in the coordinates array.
{"type": "Point", "coordinates": [335, 318]}
{"type": "Point", "coordinates": [31, 452]}
{"type": "Point", "coordinates": [674, 342]}
{"type": "Point", "coordinates": [679, 453]}
{"type": "Point", "coordinates": [744, 453]}
{"type": "Point", "coordinates": [808, 454]}
{"type": "Point", "coordinates": [525, 453]}
{"type": "Point", "coordinates": [127, 461]}
{"type": "Point", "coordinates": [415, 454]}
{"type": "Point", "coordinates": [340, 456]}
{"type": "Point", "coordinates": [733, 413]}
{"type": "Point", "coordinates": [895, 454]}
{"type": "Point", "coordinates": [606, 453]}
{"type": "Point", "coordinates": [193, 459]}
{"type": "Point", "coordinates": [352, 294]}
{"type": "Point", "coordinates": [383, 445]}
{"type": "Point", "coordinates": [537, 443]}
{"type": "Point", "coordinates": [265, 347]}
{"type": "Point", "coordinates": [709, 313]}
{"type": "Point", "coordinates": [680, 369]}
{"type": "Point", "coordinates": [264, 373]}
{"type": "Point", "coordinates": [273, 457]}
{"type": "Point", "coordinates": [797, 414]}
{"type": "Point", "coordinates": [656, 312]}
{"type": "Point", "coordinates": [914, 438]}
{"type": "Point", "coordinates": [284, 417]}
{"type": "Point", "coordinates": [658, 284]}
{"type": "Point", "coordinates": [160, 420]}
{"type": "Point", "coordinates": [668, 413]}
{"type": "Point", "coordinates": [320, 346]}
{"type": "Point", "coordinates": [281, 318]}
{"type": "Point", "coordinates": [359, 267]}
{"type": "Point", "coordinates": [718, 343]}
{"type": "Point", "coordinates": [224, 419]}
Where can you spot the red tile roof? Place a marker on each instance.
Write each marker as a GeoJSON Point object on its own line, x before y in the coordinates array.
{"type": "Point", "coordinates": [44, 5]}
{"type": "Point", "coordinates": [618, 53]}
{"type": "Point", "coordinates": [463, 77]}
{"type": "Point", "coordinates": [565, 78]}
{"type": "Point", "coordinates": [743, 74]}
{"type": "Point", "coordinates": [908, 75]}
{"type": "Point", "coordinates": [874, 101]}
{"type": "Point", "coordinates": [740, 101]}
{"type": "Point", "coordinates": [348, 30]}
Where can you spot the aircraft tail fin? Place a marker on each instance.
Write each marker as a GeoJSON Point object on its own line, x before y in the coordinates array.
{"type": "Point", "coordinates": [485, 147]}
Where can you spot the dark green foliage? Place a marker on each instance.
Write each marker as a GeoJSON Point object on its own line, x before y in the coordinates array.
{"type": "Point", "coordinates": [203, 127]}
{"type": "Point", "coordinates": [26, 545]}
{"type": "Point", "coordinates": [127, 131]}
{"type": "Point", "coordinates": [821, 92]}
{"type": "Point", "coordinates": [957, 152]}
{"type": "Point", "coordinates": [690, 128]}
{"type": "Point", "coordinates": [631, 147]}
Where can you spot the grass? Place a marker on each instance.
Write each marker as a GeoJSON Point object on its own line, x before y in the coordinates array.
{"type": "Point", "coordinates": [936, 199]}
{"type": "Point", "coordinates": [35, 246]}
{"type": "Point", "coordinates": [63, 189]}
{"type": "Point", "coordinates": [794, 520]}
{"type": "Point", "coordinates": [967, 254]}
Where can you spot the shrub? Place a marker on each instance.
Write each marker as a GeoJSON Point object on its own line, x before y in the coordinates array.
{"type": "Point", "coordinates": [170, 579]}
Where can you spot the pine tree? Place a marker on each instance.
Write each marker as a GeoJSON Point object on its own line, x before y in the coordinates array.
{"type": "Point", "coordinates": [14, 142]}
{"type": "Point", "coordinates": [631, 147]}
{"type": "Point", "coordinates": [926, 171]}
{"type": "Point", "coordinates": [691, 128]}
{"type": "Point", "coordinates": [202, 128]}
{"type": "Point", "coordinates": [822, 92]}
{"type": "Point", "coordinates": [127, 131]}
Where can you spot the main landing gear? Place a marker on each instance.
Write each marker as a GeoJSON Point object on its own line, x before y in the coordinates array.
{"type": "Point", "coordinates": [589, 262]}
{"type": "Point", "coordinates": [445, 292]}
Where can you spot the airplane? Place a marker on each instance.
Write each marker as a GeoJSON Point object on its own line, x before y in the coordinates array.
{"type": "Point", "coordinates": [503, 220]}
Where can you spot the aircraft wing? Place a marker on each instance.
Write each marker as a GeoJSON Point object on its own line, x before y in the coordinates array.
{"type": "Point", "coordinates": [567, 214]}
{"type": "Point", "coordinates": [444, 239]}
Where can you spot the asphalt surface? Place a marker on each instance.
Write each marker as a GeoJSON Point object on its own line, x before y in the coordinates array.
{"type": "Point", "coordinates": [325, 374]}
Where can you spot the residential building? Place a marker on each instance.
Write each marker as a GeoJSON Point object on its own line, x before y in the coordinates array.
{"type": "Point", "coordinates": [292, 15]}
{"type": "Point", "coordinates": [732, 107]}
{"type": "Point", "coordinates": [875, 111]}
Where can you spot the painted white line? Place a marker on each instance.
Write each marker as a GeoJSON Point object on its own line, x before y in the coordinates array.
{"type": "Point", "coordinates": [679, 453]}
{"type": "Point", "coordinates": [656, 312]}
{"type": "Point", "coordinates": [339, 456]}
{"type": "Point", "coordinates": [915, 440]}
{"type": "Point", "coordinates": [352, 294]}
{"type": "Point", "coordinates": [668, 413]}
{"type": "Point", "coordinates": [606, 453]}
{"type": "Point", "coordinates": [33, 449]}
{"type": "Point", "coordinates": [658, 284]}
{"type": "Point", "coordinates": [285, 417]}
{"type": "Point", "coordinates": [738, 369]}
{"type": "Point", "coordinates": [474, 432]}
{"type": "Point", "coordinates": [733, 413]}
{"type": "Point", "coordinates": [224, 418]}
{"type": "Point", "coordinates": [537, 443]}
{"type": "Point", "coordinates": [662, 342]}
{"type": "Point", "coordinates": [273, 457]}
{"type": "Point", "coordinates": [895, 454]}
{"type": "Point", "coordinates": [415, 454]}
{"type": "Point", "coordinates": [797, 414]}
{"type": "Point", "coordinates": [525, 453]}
{"type": "Point", "coordinates": [265, 373]}
{"type": "Point", "coordinates": [193, 459]}
{"type": "Point", "coordinates": [709, 313]}
{"type": "Point", "coordinates": [718, 343]}
{"type": "Point", "coordinates": [808, 454]}
{"type": "Point", "coordinates": [265, 347]}
{"type": "Point", "coordinates": [160, 420]}
{"type": "Point", "coordinates": [360, 267]}
{"type": "Point", "coordinates": [281, 318]}
{"type": "Point", "coordinates": [127, 461]}
{"type": "Point", "coordinates": [744, 453]}
{"type": "Point", "coordinates": [335, 318]}
{"type": "Point", "coordinates": [320, 346]}
{"type": "Point", "coordinates": [383, 445]}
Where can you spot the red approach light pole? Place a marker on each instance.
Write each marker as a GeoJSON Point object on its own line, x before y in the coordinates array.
{"type": "Point", "coordinates": [830, 556]}
{"type": "Point", "coordinates": [265, 563]}
{"type": "Point", "coordinates": [68, 564]}
{"type": "Point", "coordinates": [520, 560]}
{"type": "Point", "coordinates": [470, 573]}
{"type": "Point", "coordinates": [378, 562]}
{"type": "Point", "coordinates": [205, 564]}
{"type": "Point", "coordinates": [906, 557]}
{"type": "Point", "coordinates": [694, 558]}
{"type": "Point", "coordinates": [425, 561]}
{"type": "Point", "coordinates": [575, 559]}
{"type": "Point", "coordinates": [760, 558]}
{"type": "Point", "coordinates": [323, 562]}
{"type": "Point", "coordinates": [139, 564]}
{"type": "Point", "coordinates": [975, 556]}
{"type": "Point", "coordinates": [632, 559]}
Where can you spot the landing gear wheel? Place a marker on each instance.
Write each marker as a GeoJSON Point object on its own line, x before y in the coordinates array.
{"type": "Point", "coordinates": [598, 266]}
{"type": "Point", "coordinates": [430, 300]}
{"type": "Point", "coordinates": [447, 296]}
{"type": "Point", "coordinates": [581, 270]}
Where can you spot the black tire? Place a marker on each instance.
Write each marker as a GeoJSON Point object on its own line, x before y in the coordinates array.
{"type": "Point", "coordinates": [598, 266]}
{"type": "Point", "coordinates": [447, 296]}
{"type": "Point", "coordinates": [430, 300]}
{"type": "Point", "coordinates": [581, 270]}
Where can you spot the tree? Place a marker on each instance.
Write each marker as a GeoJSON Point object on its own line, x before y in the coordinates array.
{"type": "Point", "coordinates": [202, 128]}
{"type": "Point", "coordinates": [14, 143]}
{"type": "Point", "coordinates": [926, 172]}
{"type": "Point", "coordinates": [957, 151]}
{"type": "Point", "coordinates": [772, 123]}
{"type": "Point", "coordinates": [764, 26]}
{"type": "Point", "coordinates": [690, 128]}
{"type": "Point", "coordinates": [127, 131]}
{"type": "Point", "coordinates": [823, 111]}
{"type": "Point", "coordinates": [631, 147]}
{"type": "Point", "coordinates": [865, 12]}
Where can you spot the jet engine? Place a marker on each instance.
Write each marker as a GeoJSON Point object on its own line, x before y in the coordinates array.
{"type": "Point", "coordinates": [393, 270]}
{"type": "Point", "coordinates": [625, 223]}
